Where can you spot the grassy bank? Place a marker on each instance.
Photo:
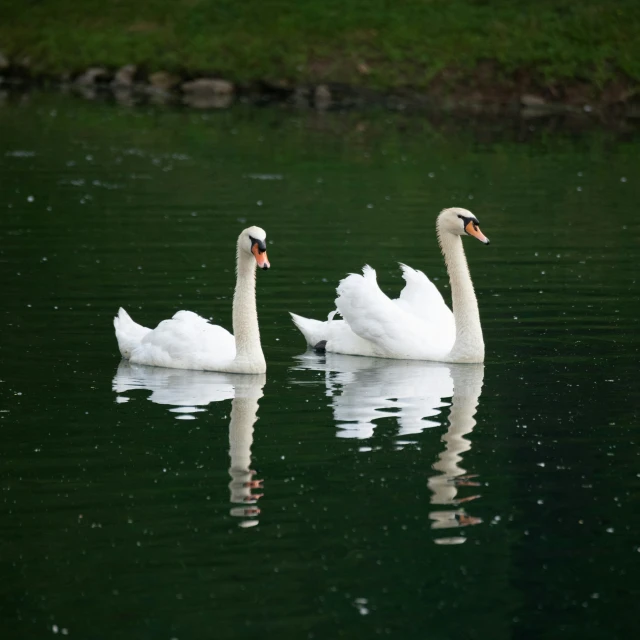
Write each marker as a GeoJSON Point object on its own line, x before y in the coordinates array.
{"type": "Point", "coordinates": [375, 43]}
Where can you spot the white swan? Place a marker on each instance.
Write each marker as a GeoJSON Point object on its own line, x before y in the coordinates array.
{"type": "Point", "coordinates": [188, 341]}
{"type": "Point", "coordinates": [416, 326]}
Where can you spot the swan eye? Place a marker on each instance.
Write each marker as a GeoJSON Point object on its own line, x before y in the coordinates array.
{"type": "Point", "coordinates": [262, 247]}
{"type": "Point", "coordinates": [467, 221]}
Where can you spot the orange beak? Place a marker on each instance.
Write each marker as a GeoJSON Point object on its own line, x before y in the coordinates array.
{"type": "Point", "coordinates": [261, 258]}
{"type": "Point", "coordinates": [474, 230]}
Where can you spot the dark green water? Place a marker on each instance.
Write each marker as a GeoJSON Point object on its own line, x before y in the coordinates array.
{"type": "Point", "coordinates": [390, 505]}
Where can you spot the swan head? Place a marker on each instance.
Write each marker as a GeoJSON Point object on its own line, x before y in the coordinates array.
{"type": "Point", "coordinates": [460, 222]}
{"type": "Point", "coordinates": [254, 242]}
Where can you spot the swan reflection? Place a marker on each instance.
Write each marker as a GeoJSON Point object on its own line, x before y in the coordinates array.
{"type": "Point", "coordinates": [467, 387]}
{"type": "Point", "coordinates": [189, 392]}
{"type": "Point", "coordinates": [367, 389]}
{"type": "Point", "coordinates": [363, 390]}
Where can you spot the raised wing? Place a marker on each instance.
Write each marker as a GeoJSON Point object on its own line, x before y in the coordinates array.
{"type": "Point", "coordinates": [422, 298]}
{"type": "Point", "coordinates": [395, 328]}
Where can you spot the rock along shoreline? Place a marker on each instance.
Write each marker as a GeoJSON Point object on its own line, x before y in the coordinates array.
{"type": "Point", "coordinates": [485, 92]}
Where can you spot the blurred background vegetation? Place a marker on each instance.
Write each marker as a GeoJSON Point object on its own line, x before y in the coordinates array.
{"type": "Point", "coordinates": [376, 43]}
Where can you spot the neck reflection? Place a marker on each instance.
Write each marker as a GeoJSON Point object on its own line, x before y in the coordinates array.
{"type": "Point", "coordinates": [244, 414]}
{"type": "Point", "coordinates": [467, 387]}
{"type": "Point", "coordinates": [187, 393]}
{"type": "Point", "coordinates": [363, 390]}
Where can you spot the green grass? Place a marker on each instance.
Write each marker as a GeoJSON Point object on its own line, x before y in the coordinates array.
{"type": "Point", "coordinates": [401, 42]}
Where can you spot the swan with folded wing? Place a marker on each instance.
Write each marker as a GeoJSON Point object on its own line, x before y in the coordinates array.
{"type": "Point", "coordinates": [188, 341]}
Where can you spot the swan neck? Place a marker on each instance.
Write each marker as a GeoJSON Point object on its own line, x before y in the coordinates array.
{"type": "Point", "coordinates": [469, 343]}
{"type": "Point", "coordinates": [245, 317]}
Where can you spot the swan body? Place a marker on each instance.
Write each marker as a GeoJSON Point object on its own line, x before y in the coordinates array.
{"type": "Point", "coordinates": [188, 341]}
{"type": "Point", "coordinates": [416, 326]}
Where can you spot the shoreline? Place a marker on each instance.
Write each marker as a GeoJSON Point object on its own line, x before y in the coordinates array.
{"type": "Point", "coordinates": [464, 56]}
{"type": "Point", "coordinates": [485, 91]}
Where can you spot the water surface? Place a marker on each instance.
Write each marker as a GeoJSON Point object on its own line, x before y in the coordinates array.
{"type": "Point", "coordinates": [336, 496]}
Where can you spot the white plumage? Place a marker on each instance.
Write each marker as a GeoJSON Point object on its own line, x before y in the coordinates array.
{"type": "Point", "coordinates": [416, 326]}
{"type": "Point", "coordinates": [188, 341]}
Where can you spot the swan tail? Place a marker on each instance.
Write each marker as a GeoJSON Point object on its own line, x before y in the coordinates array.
{"type": "Point", "coordinates": [128, 333]}
{"type": "Point", "coordinates": [314, 331]}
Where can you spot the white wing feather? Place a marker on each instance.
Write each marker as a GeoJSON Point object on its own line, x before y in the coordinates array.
{"type": "Point", "coordinates": [418, 325]}
{"type": "Point", "coordinates": [399, 329]}
{"type": "Point", "coordinates": [422, 298]}
{"type": "Point", "coordinates": [186, 341]}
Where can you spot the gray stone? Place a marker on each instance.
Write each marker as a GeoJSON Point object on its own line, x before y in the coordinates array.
{"type": "Point", "coordinates": [91, 76]}
{"type": "Point", "coordinates": [209, 86]}
{"type": "Point", "coordinates": [124, 76]}
{"type": "Point", "coordinates": [301, 97]}
{"type": "Point", "coordinates": [530, 100]}
{"type": "Point", "coordinates": [164, 80]}
{"type": "Point", "coordinates": [322, 97]}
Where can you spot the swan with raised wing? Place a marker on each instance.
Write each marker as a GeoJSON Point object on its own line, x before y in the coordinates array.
{"type": "Point", "coordinates": [188, 341]}
{"type": "Point", "coordinates": [418, 325]}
